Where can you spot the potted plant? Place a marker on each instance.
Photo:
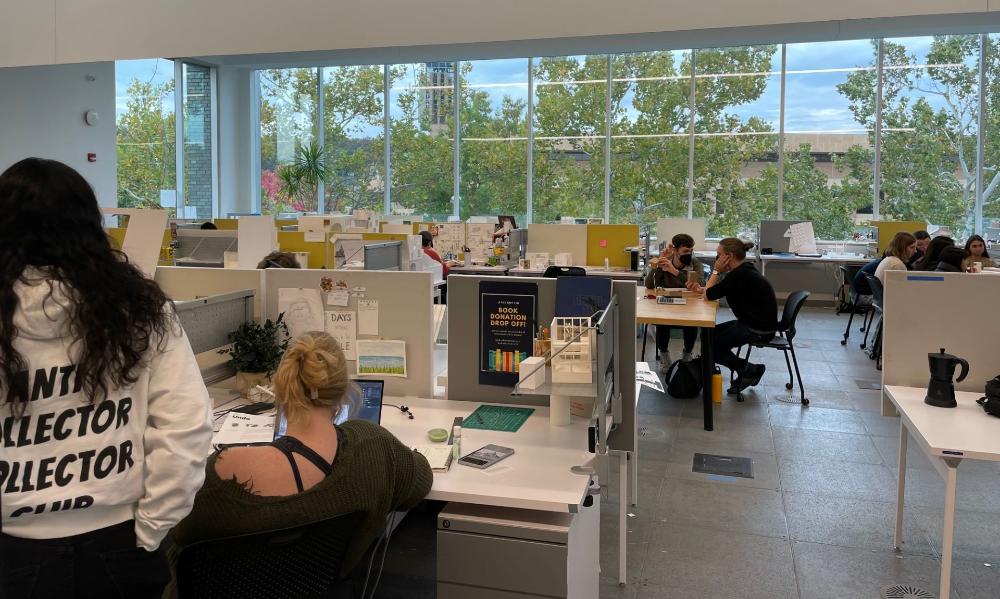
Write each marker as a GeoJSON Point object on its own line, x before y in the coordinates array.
{"type": "Point", "coordinates": [256, 352]}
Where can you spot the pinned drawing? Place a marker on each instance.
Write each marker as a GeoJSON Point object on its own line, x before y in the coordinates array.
{"type": "Point", "coordinates": [303, 309]}
{"type": "Point", "coordinates": [381, 358]}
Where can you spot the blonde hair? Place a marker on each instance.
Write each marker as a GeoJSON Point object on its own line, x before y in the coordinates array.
{"type": "Point", "coordinates": [312, 373]}
{"type": "Point", "coordinates": [737, 248]}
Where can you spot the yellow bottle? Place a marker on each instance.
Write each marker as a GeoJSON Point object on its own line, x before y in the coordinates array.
{"type": "Point", "coordinates": [717, 385]}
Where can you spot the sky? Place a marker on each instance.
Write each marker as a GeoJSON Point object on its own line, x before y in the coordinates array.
{"type": "Point", "coordinates": [812, 103]}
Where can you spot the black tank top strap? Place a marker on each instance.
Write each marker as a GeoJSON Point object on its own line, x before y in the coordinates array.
{"type": "Point", "coordinates": [289, 445]}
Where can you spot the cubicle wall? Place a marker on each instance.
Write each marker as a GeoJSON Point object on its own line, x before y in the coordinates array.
{"type": "Point", "coordinates": [463, 348]}
{"type": "Point", "coordinates": [405, 313]}
{"type": "Point", "coordinates": [666, 228]}
{"type": "Point", "coordinates": [556, 239]}
{"type": "Point", "coordinates": [182, 283]}
{"type": "Point", "coordinates": [927, 311]}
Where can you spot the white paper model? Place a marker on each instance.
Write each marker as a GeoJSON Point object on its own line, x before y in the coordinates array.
{"type": "Point", "coordinates": [381, 358]}
{"type": "Point", "coordinates": [572, 360]}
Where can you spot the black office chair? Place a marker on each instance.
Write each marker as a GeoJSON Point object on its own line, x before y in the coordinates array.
{"type": "Point", "coordinates": [857, 301]}
{"type": "Point", "coordinates": [304, 561]}
{"type": "Point", "coordinates": [553, 271]}
{"type": "Point", "coordinates": [782, 340]}
{"type": "Point", "coordinates": [878, 297]}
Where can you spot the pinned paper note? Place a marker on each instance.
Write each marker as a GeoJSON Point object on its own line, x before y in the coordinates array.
{"type": "Point", "coordinates": [803, 238]}
{"type": "Point", "coordinates": [313, 236]}
{"type": "Point", "coordinates": [603, 243]}
{"type": "Point", "coordinates": [342, 326]}
{"type": "Point", "coordinates": [382, 358]}
{"type": "Point", "coordinates": [340, 297]}
{"type": "Point", "coordinates": [367, 317]}
{"type": "Point", "coordinates": [303, 310]}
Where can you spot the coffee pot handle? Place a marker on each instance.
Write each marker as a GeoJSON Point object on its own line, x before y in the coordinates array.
{"type": "Point", "coordinates": [965, 370]}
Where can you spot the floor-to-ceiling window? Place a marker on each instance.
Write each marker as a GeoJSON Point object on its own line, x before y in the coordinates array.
{"type": "Point", "coordinates": [569, 113]}
{"type": "Point", "coordinates": [649, 137]}
{"type": "Point", "coordinates": [929, 125]}
{"type": "Point", "coordinates": [291, 163]}
{"type": "Point", "coordinates": [146, 134]}
{"type": "Point", "coordinates": [991, 139]}
{"type": "Point", "coordinates": [494, 141]}
{"type": "Point", "coordinates": [737, 116]}
{"type": "Point", "coordinates": [829, 133]}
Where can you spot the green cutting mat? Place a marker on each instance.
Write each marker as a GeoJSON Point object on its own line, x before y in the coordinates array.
{"type": "Point", "coordinates": [498, 418]}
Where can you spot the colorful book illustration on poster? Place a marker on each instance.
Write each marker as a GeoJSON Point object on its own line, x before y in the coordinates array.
{"type": "Point", "coordinates": [506, 361]}
{"type": "Point", "coordinates": [507, 323]}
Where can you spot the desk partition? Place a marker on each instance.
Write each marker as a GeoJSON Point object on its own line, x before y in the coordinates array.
{"type": "Point", "coordinates": [182, 283]}
{"type": "Point", "coordinates": [927, 311]}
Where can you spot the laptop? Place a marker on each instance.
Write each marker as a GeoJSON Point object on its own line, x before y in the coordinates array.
{"type": "Point", "coordinates": [365, 398]}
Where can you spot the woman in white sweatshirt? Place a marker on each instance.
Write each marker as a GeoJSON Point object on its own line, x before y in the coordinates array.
{"type": "Point", "coordinates": [105, 423]}
{"type": "Point", "coordinates": [900, 250]}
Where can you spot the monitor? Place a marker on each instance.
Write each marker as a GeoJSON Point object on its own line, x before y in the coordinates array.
{"type": "Point", "coordinates": [382, 256]}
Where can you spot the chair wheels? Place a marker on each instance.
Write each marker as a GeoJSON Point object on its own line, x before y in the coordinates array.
{"type": "Point", "coordinates": [805, 401]}
{"type": "Point", "coordinates": [843, 341]}
{"type": "Point", "coordinates": [788, 386]}
{"type": "Point", "coordinates": [739, 398]}
{"type": "Point", "coordinates": [862, 346]}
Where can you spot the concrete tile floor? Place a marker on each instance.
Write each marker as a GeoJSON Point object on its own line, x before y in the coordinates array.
{"type": "Point", "coordinates": [817, 519]}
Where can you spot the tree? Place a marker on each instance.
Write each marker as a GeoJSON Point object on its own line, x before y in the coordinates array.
{"type": "Point", "coordinates": [145, 145]}
{"type": "Point", "coordinates": [930, 121]}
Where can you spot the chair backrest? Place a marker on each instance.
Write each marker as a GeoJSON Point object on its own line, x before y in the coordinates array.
{"type": "Point", "coordinates": [877, 290]}
{"type": "Point", "coordinates": [793, 304]}
{"type": "Point", "coordinates": [564, 271]}
{"type": "Point", "coordinates": [304, 561]}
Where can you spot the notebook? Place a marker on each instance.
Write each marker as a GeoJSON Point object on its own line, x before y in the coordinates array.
{"type": "Point", "coordinates": [438, 455]}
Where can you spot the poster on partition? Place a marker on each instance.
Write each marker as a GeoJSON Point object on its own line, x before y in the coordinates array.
{"type": "Point", "coordinates": [508, 314]}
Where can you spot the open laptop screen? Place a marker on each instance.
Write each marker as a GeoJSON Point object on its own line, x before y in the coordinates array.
{"type": "Point", "coordinates": [366, 400]}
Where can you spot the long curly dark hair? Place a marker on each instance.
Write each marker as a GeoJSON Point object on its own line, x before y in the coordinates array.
{"type": "Point", "coordinates": [50, 220]}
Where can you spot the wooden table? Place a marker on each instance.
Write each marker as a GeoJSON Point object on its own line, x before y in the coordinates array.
{"type": "Point", "coordinates": [697, 312]}
{"type": "Point", "coordinates": [946, 436]}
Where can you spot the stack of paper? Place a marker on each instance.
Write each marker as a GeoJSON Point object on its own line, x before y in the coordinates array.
{"type": "Point", "coordinates": [438, 456]}
{"type": "Point", "coordinates": [644, 376]}
{"type": "Point", "coordinates": [243, 429]}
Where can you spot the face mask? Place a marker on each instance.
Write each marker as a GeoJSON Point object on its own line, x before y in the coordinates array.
{"type": "Point", "coordinates": [685, 259]}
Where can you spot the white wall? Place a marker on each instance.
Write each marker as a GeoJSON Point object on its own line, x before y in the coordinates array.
{"type": "Point", "coordinates": [41, 114]}
{"type": "Point", "coordinates": [63, 31]}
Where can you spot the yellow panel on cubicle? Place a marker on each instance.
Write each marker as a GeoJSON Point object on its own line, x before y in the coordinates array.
{"type": "Point", "coordinates": [284, 222]}
{"type": "Point", "coordinates": [294, 241]}
{"type": "Point", "coordinates": [383, 237]}
{"type": "Point", "coordinates": [610, 241]}
{"type": "Point", "coordinates": [117, 236]}
{"type": "Point", "coordinates": [887, 229]}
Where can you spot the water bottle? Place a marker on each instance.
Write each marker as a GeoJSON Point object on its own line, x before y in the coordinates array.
{"type": "Point", "coordinates": [717, 385]}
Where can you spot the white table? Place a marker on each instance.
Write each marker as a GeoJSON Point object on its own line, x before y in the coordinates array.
{"type": "Point", "coordinates": [613, 272]}
{"type": "Point", "coordinates": [947, 436]}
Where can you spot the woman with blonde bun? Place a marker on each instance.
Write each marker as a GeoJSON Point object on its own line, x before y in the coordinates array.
{"type": "Point", "coordinates": [316, 470]}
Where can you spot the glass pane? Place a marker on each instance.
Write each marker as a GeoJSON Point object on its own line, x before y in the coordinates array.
{"type": "Point", "coordinates": [494, 145]}
{"type": "Point", "coordinates": [991, 139]}
{"type": "Point", "coordinates": [737, 107]}
{"type": "Point", "coordinates": [421, 108]}
{"type": "Point", "coordinates": [198, 196]}
{"type": "Point", "coordinates": [354, 138]}
{"type": "Point", "coordinates": [930, 121]}
{"type": "Point", "coordinates": [829, 134]}
{"type": "Point", "coordinates": [145, 138]}
{"type": "Point", "coordinates": [569, 113]}
{"type": "Point", "coordinates": [288, 114]}
{"type": "Point", "coordinates": [650, 100]}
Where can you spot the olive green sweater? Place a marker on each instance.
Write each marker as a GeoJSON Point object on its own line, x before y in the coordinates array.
{"type": "Point", "coordinates": [372, 473]}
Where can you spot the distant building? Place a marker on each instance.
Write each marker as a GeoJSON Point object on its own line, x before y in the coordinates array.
{"type": "Point", "coordinates": [437, 98]}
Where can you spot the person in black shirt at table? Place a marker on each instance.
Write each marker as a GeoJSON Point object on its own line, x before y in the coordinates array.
{"type": "Point", "coordinates": [751, 298]}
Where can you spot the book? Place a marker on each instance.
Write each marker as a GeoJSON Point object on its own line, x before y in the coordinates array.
{"type": "Point", "coordinates": [438, 456]}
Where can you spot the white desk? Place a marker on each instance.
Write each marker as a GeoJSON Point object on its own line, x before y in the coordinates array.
{"type": "Point", "coordinates": [947, 436]}
{"type": "Point", "coordinates": [827, 259]}
{"type": "Point", "coordinates": [477, 269]}
{"type": "Point", "coordinates": [536, 477]}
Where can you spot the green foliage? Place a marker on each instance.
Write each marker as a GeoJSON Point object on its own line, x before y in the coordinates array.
{"type": "Point", "coordinates": [145, 145]}
{"type": "Point", "coordinates": [256, 347]}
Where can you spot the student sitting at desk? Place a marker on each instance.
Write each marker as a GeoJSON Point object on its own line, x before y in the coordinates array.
{"type": "Point", "coordinates": [106, 419]}
{"type": "Point", "coordinates": [427, 243]}
{"type": "Point", "coordinates": [900, 250]}
{"type": "Point", "coordinates": [859, 282]}
{"type": "Point", "coordinates": [674, 268]}
{"type": "Point", "coordinates": [751, 298]}
{"type": "Point", "coordinates": [317, 470]}
{"type": "Point", "coordinates": [976, 246]}
{"type": "Point", "coordinates": [953, 259]}
{"type": "Point", "coordinates": [279, 259]}
{"type": "Point", "coordinates": [933, 255]}
{"type": "Point", "coordinates": [923, 240]}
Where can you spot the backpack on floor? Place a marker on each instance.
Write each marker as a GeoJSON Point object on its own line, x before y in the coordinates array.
{"type": "Point", "coordinates": [684, 379]}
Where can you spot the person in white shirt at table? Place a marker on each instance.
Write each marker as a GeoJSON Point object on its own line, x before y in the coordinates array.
{"type": "Point", "coordinates": [901, 249]}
